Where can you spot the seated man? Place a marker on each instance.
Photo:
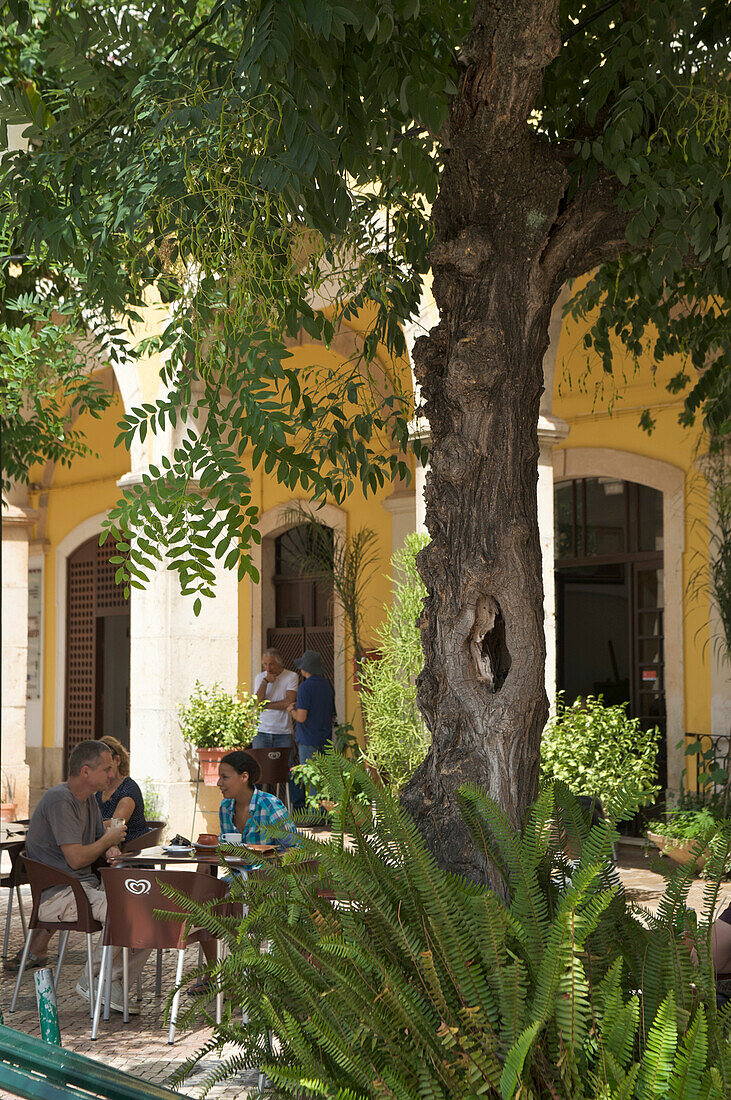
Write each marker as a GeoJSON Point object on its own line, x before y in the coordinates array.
{"type": "Point", "coordinates": [67, 832]}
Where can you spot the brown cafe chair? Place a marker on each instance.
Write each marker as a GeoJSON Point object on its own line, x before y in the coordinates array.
{"type": "Point", "coordinates": [274, 766]}
{"type": "Point", "coordinates": [15, 878]}
{"type": "Point", "coordinates": [43, 878]}
{"type": "Point", "coordinates": [133, 895]}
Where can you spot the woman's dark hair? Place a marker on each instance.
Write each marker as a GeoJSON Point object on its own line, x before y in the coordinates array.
{"type": "Point", "coordinates": [241, 762]}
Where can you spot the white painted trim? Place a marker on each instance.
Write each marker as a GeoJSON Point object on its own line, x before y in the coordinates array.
{"type": "Point", "coordinates": [579, 462]}
{"type": "Point", "coordinates": [272, 523]}
{"type": "Point", "coordinates": [85, 530]}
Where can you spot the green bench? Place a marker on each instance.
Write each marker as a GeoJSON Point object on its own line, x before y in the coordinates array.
{"type": "Point", "coordinates": [42, 1071]}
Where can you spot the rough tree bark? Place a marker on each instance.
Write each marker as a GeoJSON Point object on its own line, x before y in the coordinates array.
{"type": "Point", "coordinates": [506, 239]}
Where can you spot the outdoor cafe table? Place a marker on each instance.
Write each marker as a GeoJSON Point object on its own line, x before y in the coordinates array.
{"type": "Point", "coordinates": [210, 860]}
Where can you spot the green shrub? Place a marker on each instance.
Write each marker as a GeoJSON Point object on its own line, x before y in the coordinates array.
{"type": "Point", "coordinates": [396, 738]}
{"type": "Point", "coordinates": [685, 824]}
{"type": "Point", "coordinates": [387, 978]}
{"type": "Point", "coordinates": [214, 718]}
{"type": "Point", "coordinates": [597, 750]}
{"type": "Point", "coordinates": [317, 777]}
{"type": "Point", "coordinates": [151, 799]}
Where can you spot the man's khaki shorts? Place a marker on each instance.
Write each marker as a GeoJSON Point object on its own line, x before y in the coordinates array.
{"type": "Point", "coordinates": [62, 906]}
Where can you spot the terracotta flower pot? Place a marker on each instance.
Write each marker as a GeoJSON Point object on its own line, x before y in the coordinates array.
{"type": "Point", "coordinates": [208, 760]}
{"type": "Point", "coordinates": [680, 851]}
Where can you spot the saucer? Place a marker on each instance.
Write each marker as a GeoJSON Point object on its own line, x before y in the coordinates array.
{"type": "Point", "coordinates": [177, 849]}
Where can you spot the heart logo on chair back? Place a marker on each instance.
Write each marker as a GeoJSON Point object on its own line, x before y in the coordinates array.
{"type": "Point", "coordinates": [274, 755]}
{"type": "Point", "coordinates": [137, 885]}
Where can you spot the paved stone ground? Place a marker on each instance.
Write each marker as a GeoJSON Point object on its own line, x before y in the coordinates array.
{"type": "Point", "coordinates": [140, 1047]}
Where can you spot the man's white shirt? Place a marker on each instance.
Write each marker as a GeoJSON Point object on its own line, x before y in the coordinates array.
{"type": "Point", "coordinates": [276, 721]}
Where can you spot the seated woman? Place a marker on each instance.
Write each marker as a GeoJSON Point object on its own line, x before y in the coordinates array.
{"type": "Point", "coordinates": [122, 798]}
{"type": "Point", "coordinates": [246, 811]}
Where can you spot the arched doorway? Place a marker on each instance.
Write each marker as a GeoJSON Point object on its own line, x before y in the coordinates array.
{"type": "Point", "coordinates": [303, 602]}
{"type": "Point", "coordinates": [97, 647]}
{"type": "Point", "coordinates": [610, 597]}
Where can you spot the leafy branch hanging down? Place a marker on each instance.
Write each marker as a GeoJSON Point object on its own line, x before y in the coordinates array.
{"type": "Point", "coordinates": [387, 978]}
{"type": "Point", "coordinates": [206, 184]}
{"type": "Point", "coordinates": [45, 384]}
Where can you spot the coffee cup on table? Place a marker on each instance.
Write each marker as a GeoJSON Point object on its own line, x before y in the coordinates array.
{"type": "Point", "coordinates": [231, 838]}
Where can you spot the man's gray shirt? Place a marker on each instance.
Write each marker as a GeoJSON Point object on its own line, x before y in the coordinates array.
{"type": "Point", "coordinates": [61, 818]}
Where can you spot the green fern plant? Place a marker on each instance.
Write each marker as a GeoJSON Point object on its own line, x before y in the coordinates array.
{"type": "Point", "coordinates": [367, 972]}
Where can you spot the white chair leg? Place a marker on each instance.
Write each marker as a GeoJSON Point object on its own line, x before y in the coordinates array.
{"type": "Point", "coordinates": [21, 971]}
{"type": "Point", "coordinates": [63, 939]}
{"type": "Point", "coordinates": [125, 984]}
{"type": "Point", "coordinates": [99, 988]}
{"type": "Point", "coordinates": [7, 923]}
{"type": "Point", "coordinates": [22, 911]}
{"type": "Point", "coordinates": [219, 994]}
{"type": "Point", "coordinates": [107, 986]}
{"type": "Point", "coordinates": [176, 998]}
{"type": "Point", "coordinates": [90, 969]}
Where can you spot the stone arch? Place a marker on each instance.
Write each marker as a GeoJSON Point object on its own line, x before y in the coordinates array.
{"type": "Point", "coordinates": [581, 462]}
{"type": "Point", "coordinates": [272, 523]}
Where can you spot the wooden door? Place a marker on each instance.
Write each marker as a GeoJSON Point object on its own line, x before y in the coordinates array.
{"type": "Point", "coordinates": [91, 596]}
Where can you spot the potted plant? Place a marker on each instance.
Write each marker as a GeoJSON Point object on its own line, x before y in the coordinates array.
{"type": "Point", "coordinates": [8, 805]}
{"type": "Point", "coordinates": [680, 833]}
{"type": "Point", "coordinates": [216, 722]}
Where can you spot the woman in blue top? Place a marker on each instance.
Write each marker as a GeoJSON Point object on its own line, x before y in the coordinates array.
{"type": "Point", "coordinates": [245, 809]}
{"type": "Point", "coordinates": [249, 813]}
{"type": "Point", "coordinates": [122, 798]}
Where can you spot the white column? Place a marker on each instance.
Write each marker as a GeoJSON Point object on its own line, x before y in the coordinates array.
{"type": "Point", "coordinates": [402, 506]}
{"type": "Point", "coordinates": [720, 658]}
{"type": "Point", "coordinates": [169, 650]}
{"type": "Point", "coordinates": [16, 523]}
{"type": "Point", "coordinates": [419, 429]}
{"type": "Point", "coordinates": [550, 431]}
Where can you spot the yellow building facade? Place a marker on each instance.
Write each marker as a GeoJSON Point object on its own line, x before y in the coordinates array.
{"type": "Point", "coordinates": [624, 528]}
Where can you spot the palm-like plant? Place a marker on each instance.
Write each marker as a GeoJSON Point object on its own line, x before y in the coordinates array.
{"type": "Point", "coordinates": [346, 561]}
{"type": "Point", "coordinates": [387, 978]}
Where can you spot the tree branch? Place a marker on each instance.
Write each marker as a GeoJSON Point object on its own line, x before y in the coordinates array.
{"type": "Point", "coordinates": [589, 20]}
{"type": "Point", "coordinates": [589, 231]}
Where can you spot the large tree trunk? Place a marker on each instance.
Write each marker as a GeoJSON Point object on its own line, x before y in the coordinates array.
{"type": "Point", "coordinates": [495, 280]}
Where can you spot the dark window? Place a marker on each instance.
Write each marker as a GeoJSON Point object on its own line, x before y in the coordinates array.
{"type": "Point", "coordinates": [604, 517]}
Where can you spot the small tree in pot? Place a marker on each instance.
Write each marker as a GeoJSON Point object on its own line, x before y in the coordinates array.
{"type": "Point", "coordinates": [216, 722]}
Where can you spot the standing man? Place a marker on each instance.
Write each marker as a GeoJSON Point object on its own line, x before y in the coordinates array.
{"type": "Point", "coordinates": [278, 686]}
{"type": "Point", "coordinates": [313, 713]}
{"type": "Point", "coordinates": [67, 832]}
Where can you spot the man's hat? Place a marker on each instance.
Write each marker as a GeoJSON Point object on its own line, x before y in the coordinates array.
{"type": "Point", "coordinates": [310, 661]}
